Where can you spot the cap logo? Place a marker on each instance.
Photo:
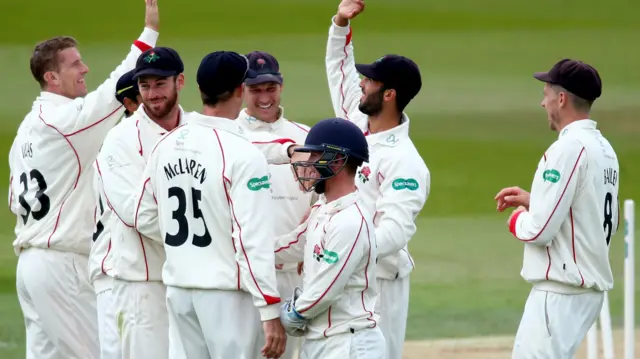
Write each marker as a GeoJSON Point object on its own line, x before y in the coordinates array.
{"type": "Point", "coordinates": [152, 57]}
{"type": "Point", "coordinates": [261, 62]}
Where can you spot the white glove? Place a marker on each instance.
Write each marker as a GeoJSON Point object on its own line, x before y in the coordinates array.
{"type": "Point", "coordinates": [292, 321]}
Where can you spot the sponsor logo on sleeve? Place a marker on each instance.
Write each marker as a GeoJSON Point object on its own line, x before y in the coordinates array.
{"type": "Point", "coordinates": [551, 175]}
{"type": "Point", "coordinates": [256, 184]}
{"type": "Point", "coordinates": [320, 254]}
{"type": "Point", "coordinates": [405, 183]}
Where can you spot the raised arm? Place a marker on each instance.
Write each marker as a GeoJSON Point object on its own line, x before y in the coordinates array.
{"type": "Point", "coordinates": [100, 105]}
{"type": "Point", "coordinates": [346, 242]}
{"type": "Point", "coordinates": [404, 189]}
{"type": "Point", "coordinates": [344, 81]}
{"type": "Point", "coordinates": [551, 195]}
{"type": "Point", "coordinates": [120, 167]}
{"type": "Point", "coordinates": [249, 200]}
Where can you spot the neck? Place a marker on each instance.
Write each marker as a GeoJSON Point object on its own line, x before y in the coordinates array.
{"type": "Point", "coordinates": [571, 118]}
{"type": "Point", "coordinates": [333, 191]}
{"type": "Point", "coordinates": [224, 110]}
{"type": "Point", "coordinates": [56, 91]}
{"type": "Point", "coordinates": [267, 120]}
{"type": "Point", "coordinates": [384, 121]}
{"type": "Point", "coordinates": [169, 121]}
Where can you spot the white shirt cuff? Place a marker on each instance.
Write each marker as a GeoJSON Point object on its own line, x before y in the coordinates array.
{"type": "Point", "coordinates": [149, 37]}
{"type": "Point", "coordinates": [339, 30]}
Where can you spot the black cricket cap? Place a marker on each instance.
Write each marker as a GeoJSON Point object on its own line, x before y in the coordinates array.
{"type": "Point", "coordinates": [126, 87]}
{"type": "Point", "coordinates": [266, 68]}
{"type": "Point", "coordinates": [222, 71]}
{"type": "Point", "coordinates": [159, 61]}
{"type": "Point", "coordinates": [395, 72]}
{"type": "Point", "coordinates": [576, 77]}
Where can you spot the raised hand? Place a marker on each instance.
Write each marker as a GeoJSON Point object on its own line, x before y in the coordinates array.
{"type": "Point", "coordinates": [349, 9]}
{"type": "Point", "coordinates": [151, 16]}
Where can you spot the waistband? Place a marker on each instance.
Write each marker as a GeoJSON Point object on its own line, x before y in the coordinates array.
{"type": "Point", "coordinates": [561, 288]}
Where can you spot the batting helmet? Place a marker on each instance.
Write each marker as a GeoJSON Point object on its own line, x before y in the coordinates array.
{"type": "Point", "coordinates": [335, 139]}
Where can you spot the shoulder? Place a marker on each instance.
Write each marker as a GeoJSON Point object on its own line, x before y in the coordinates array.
{"type": "Point", "coordinates": [121, 137]}
{"type": "Point", "coordinates": [296, 129]}
{"type": "Point", "coordinates": [350, 220]}
{"type": "Point", "coordinates": [403, 158]}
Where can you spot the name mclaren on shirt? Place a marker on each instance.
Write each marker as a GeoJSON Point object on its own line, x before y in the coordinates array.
{"type": "Point", "coordinates": [186, 166]}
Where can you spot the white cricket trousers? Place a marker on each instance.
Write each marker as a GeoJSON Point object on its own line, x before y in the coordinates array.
{"type": "Point", "coordinates": [287, 280]}
{"type": "Point", "coordinates": [362, 344]}
{"type": "Point", "coordinates": [553, 325]}
{"type": "Point", "coordinates": [214, 324]}
{"type": "Point", "coordinates": [107, 326]}
{"type": "Point", "coordinates": [141, 314]}
{"type": "Point", "coordinates": [393, 306]}
{"type": "Point", "coordinates": [58, 304]}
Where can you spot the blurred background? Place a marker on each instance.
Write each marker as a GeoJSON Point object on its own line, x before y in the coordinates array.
{"type": "Point", "coordinates": [477, 121]}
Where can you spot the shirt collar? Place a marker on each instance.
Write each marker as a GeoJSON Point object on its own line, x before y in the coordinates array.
{"type": "Point", "coordinates": [220, 123]}
{"type": "Point", "coordinates": [577, 125]}
{"type": "Point", "coordinates": [391, 137]}
{"type": "Point", "coordinates": [341, 203]}
{"type": "Point", "coordinates": [253, 123]}
{"type": "Point", "coordinates": [53, 98]}
{"type": "Point", "coordinates": [151, 123]}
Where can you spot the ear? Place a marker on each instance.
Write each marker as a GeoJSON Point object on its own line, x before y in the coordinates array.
{"type": "Point", "coordinates": [239, 91]}
{"type": "Point", "coordinates": [180, 82]}
{"type": "Point", "coordinates": [52, 78]}
{"type": "Point", "coordinates": [389, 95]}
{"type": "Point", "coordinates": [563, 99]}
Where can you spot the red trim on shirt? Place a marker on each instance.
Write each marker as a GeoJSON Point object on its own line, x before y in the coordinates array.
{"type": "Point", "coordinates": [142, 46]}
{"type": "Point", "coordinates": [298, 126]}
{"type": "Point", "coordinates": [104, 190]}
{"type": "Point", "coordinates": [340, 272]}
{"type": "Point", "coordinates": [328, 321]}
{"type": "Point", "coordinates": [366, 267]}
{"type": "Point", "coordinates": [344, 76]}
{"type": "Point", "coordinates": [95, 123]}
{"type": "Point", "coordinates": [281, 141]}
{"type": "Point", "coordinates": [512, 223]}
{"type": "Point", "coordinates": [573, 245]}
{"type": "Point", "coordinates": [105, 258]}
{"type": "Point", "coordinates": [573, 171]}
{"type": "Point", "coordinates": [269, 299]}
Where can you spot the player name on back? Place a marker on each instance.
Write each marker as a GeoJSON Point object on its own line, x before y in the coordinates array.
{"type": "Point", "coordinates": [186, 166]}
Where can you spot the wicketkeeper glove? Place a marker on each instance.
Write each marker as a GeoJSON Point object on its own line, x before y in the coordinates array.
{"type": "Point", "coordinates": [292, 321]}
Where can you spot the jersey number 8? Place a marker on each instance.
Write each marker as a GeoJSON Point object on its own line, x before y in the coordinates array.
{"type": "Point", "coordinates": [179, 215]}
{"type": "Point", "coordinates": [608, 216]}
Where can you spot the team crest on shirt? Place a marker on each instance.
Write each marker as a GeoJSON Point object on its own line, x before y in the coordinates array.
{"type": "Point", "coordinates": [364, 173]}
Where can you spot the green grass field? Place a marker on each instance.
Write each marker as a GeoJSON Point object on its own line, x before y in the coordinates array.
{"type": "Point", "coordinates": [477, 122]}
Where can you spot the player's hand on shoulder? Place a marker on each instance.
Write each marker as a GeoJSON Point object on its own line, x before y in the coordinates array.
{"type": "Point", "coordinates": [349, 9]}
{"type": "Point", "coordinates": [152, 15]}
{"type": "Point", "coordinates": [512, 197]}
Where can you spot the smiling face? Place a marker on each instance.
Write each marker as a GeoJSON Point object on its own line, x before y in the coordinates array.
{"type": "Point", "coordinates": [160, 94]}
{"type": "Point", "coordinates": [263, 101]}
{"type": "Point", "coordinates": [71, 72]}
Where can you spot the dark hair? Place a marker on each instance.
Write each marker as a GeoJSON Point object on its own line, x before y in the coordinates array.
{"type": "Point", "coordinates": [212, 101]}
{"type": "Point", "coordinates": [578, 102]}
{"type": "Point", "coordinates": [45, 56]}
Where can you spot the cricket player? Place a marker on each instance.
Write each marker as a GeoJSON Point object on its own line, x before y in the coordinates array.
{"type": "Point", "coordinates": [395, 183]}
{"type": "Point", "coordinates": [99, 260]}
{"type": "Point", "coordinates": [335, 310]}
{"type": "Point", "coordinates": [567, 220]}
{"type": "Point", "coordinates": [263, 120]}
{"type": "Point", "coordinates": [138, 291]}
{"type": "Point", "coordinates": [206, 196]}
{"type": "Point", "coordinates": [51, 193]}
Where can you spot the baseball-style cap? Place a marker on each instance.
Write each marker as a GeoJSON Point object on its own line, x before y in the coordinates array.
{"type": "Point", "coordinates": [395, 72]}
{"type": "Point", "coordinates": [577, 77]}
{"type": "Point", "coordinates": [266, 68]}
{"type": "Point", "coordinates": [159, 61]}
{"type": "Point", "coordinates": [126, 87]}
{"type": "Point", "coordinates": [222, 71]}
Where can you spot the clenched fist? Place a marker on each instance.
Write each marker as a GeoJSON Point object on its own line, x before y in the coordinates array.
{"type": "Point", "coordinates": [347, 10]}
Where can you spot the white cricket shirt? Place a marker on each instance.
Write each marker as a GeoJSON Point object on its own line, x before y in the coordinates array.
{"type": "Point", "coordinates": [206, 197]}
{"type": "Point", "coordinates": [99, 259]}
{"type": "Point", "coordinates": [338, 246]}
{"type": "Point", "coordinates": [121, 164]}
{"type": "Point", "coordinates": [395, 184]}
{"type": "Point", "coordinates": [574, 210]}
{"type": "Point", "coordinates": [51, 158]}
{"type": "Point", "coordinates": [289, 203]}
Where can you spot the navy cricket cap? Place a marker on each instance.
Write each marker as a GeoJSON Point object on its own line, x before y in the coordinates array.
{"type": "Point", "coordinates": [266, 68]}
{"type": "Point", "coordinates": [222, 71]}
{"type": "Point", "coordinates": [159, 61]}
{"type": "Point", "coordinates": [575, 76]}
{"type": "Point", "coordinates": [126, 87]}
{"type": "Point", "coordinates": [395, 72]}
{"type": "Point", "coordinates": [337, 135]}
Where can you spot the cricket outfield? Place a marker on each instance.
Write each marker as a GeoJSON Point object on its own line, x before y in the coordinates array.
{"type": "Point", "coordinates": [477, 122]}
